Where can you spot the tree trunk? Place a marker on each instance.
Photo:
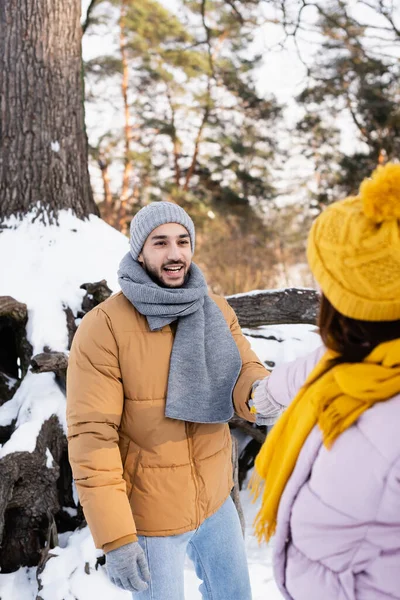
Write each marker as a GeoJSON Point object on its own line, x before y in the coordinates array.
{"type": "Point", "coordinates": [127, 174]}
{"type": "Point", "coordinates": [43, 144]}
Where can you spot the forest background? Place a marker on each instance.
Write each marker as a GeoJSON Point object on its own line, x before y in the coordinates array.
{"type": "Point", "coordinates": [251, 114]}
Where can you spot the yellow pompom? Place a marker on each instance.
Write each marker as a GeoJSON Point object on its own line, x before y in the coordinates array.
{"type": "Point", "coordinates": [380, 195]}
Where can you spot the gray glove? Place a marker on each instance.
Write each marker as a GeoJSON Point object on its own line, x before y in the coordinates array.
{"type": "Point", "coordinates": [127, 567]}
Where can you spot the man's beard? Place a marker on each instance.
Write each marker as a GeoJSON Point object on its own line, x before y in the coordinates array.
{"type": "Point", "coordinates": [154, 277]}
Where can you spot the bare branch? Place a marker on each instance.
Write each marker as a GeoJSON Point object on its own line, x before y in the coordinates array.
{"type": "Point", "coordinates": [239, 15]}
{"type": "Point", "coordinates": [89, 11]}
{"type": "Point", "coordinates": [385, 13]}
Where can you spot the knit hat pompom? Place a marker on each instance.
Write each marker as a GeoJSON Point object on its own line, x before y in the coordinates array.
{"type": "Point", "coordinates": [380, 195]}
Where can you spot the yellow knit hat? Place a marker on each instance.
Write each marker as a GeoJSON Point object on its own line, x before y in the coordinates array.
{"type": "Point", "coordinates": [354, 249]}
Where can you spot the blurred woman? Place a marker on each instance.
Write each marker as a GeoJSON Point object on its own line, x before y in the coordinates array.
{"type": "Point", "coordinates": [329, 471]}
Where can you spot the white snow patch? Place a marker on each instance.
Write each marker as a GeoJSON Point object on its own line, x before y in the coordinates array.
{"type": "Point", "coordinates": [72, 512]}
{"type": "Point", "coordinates": [46, 264]}
{"type": "Point", "coordinates": [9, 381]}
{"type": "Point", "coordinates": [20, 585]}
{"type": "Point", "coordinates": [49, 459]}
{"type": "Point", "coordinates": [75, 494]}
{"type": "Point", "coordinates": [72, 573]}
{"type": "Point", "coordinates": [35, 401]}
{"type": "Point", "coordinates": [291, 341]}
{"type": "Point", "coordinates": [55, 146]}
{"type": "Point", "coordinates": [274, 291]}
{"type": "Point", "coordinates": [9, 410]}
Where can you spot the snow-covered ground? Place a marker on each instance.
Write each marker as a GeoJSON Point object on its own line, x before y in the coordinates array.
{"type": "Point", "coordinates": [43, 266]}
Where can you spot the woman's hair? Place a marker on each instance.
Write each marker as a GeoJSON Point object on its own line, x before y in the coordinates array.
{"type": "Point", "coordinates": [353, 339]}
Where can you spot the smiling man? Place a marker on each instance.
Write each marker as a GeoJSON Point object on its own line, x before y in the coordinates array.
{"type": "Point", "coordinates": [154, 375]}
{"type": "Point", "coordinates": [167, 255]}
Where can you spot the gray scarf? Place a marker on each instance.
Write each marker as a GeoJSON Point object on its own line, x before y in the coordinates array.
{"type": "Point", "coordinates": [205, 361]}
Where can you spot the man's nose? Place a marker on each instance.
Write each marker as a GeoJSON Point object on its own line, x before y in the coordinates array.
{"type": "Point", "coordinates": [174, 252]}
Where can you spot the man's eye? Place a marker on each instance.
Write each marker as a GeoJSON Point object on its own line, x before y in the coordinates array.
{"type": "Point", "coordinates": [184, 242]}
{"type": "Point", "coordinates": [160, 243]}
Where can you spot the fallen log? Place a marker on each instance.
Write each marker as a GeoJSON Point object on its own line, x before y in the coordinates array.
{"type": "Point", "coordinates": [46, 362]}
{"type": "Point", "coordinates": [56, 362]}
{"type": "Point", "coordinates": [276, 307]}
{"type": "Point", "coordinates": [95, 293]}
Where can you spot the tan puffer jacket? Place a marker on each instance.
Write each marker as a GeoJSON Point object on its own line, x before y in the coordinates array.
{"type": "Point", "coordinates": [136, 470]}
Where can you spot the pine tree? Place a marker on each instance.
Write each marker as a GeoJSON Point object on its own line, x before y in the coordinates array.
{"type": "Point", "coordinates": [197, 131]}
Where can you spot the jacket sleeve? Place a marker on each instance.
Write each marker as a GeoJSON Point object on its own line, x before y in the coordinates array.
{"type": "Point", "coordinates": [286, 379]}
{"type": "Point", "coordinates": [95, 401]}
{"type": "Point", "coordinates": [252, 369]}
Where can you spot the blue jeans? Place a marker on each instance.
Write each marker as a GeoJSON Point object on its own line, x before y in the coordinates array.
{"type": "Point", "coordinates": [217, 551]}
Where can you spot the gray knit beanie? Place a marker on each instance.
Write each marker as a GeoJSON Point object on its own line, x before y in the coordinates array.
{"type": "Point", "coordinates": [153, 215]}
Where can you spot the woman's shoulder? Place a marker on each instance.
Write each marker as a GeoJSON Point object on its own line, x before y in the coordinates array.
{"type": "Point", "coordinates": [380, 426]}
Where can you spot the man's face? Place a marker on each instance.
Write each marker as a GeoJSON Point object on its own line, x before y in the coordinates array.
{"type": "Point", "coordinates": [167, 255]}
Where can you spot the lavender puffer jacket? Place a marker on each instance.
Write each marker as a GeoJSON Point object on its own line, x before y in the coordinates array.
{"type": "Point", "coordinates": [338, 533]}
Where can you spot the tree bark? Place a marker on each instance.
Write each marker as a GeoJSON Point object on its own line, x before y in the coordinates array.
{"type": "Point", "coordinates": [15, 350]}
{"type": "Point", "coordinates": [43, 144]}
{"type": "Point", "coordinates": [276, 307]}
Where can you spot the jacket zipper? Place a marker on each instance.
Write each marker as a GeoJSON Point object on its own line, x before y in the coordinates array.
{"type": "Point", "coordinates": [193, 470]}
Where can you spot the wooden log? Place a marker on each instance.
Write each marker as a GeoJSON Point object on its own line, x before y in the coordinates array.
{"type": "Point", "coordinates": [28, 494]}
{"type": "Point", "coordinates": [56, 362]}
{"type": "Point", "coordinates": [71, 325]}
{"type": "Point", "coordinates": [276, 307]}
{"type": "Point", "coordinates": [95, 293]}
{"type": "Point", "coordinates": [15, 350]}
{"type": "Point", "coordinates": [12, 309]}
{"type": "Point", "coordinates": [238, 423]}
{"type": "Point", "coordinates": [46, 362]}
{"type": "Point", "coordinates": [235, 495]}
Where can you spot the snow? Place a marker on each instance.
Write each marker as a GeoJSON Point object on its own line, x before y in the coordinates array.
{"type": "Point", "coordinates": [45, 266]}
{"type": "Point", "coordinates": [272, 292]}
{"type": "Point", "coordinates": [275, 344]}
{"type": "Point", "coordinates": [49, 459]}
{"type": "Point", "coordinates": [9, 381]}
{"type": "Point", "coordinates": [55, 146]}
{"type": "Point", "coordinates": [36, 400]}
{"type": "Point", "coordinates": [72, 512]}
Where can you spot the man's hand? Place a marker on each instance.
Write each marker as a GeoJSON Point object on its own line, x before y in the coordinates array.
{"type": "Point", "coordinates": [127, 568]}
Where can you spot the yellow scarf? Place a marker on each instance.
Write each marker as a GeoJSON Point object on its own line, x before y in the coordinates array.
{"type": "Point", "coordinates": [334, 397]}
